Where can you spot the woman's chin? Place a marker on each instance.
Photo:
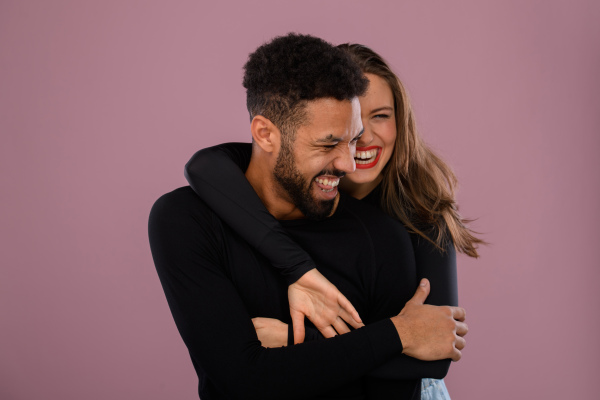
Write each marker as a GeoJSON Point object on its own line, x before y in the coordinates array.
{"type": "Point", "coordinates": [360, 182]}
{"type": "Point", "coordinates": [361, 177]}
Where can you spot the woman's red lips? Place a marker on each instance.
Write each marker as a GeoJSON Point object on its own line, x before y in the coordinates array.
{"type": "Point", "coordinates": [367, 148]}
{"type": "Point", "coordinates": [367, 157]}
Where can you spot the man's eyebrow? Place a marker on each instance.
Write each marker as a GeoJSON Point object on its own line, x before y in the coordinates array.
{"type": "Point", "coordinates": [329, 138]}
{"type": "Point", "coordinates": [384, 108]}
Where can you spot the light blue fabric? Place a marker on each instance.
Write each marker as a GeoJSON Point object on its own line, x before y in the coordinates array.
{"type": "Point", "coordinates": [434, 389]}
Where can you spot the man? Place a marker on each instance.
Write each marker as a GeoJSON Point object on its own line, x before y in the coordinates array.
{"type": "Point", "coordinates": [302, 96]}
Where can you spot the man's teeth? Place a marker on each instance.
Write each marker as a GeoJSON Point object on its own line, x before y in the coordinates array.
{"type": "Point", "coordinates": [365, 157]}
{"type": "Point", "coordinates": [332, 182]}
{"type": "Point", "coordinates": [327, 182]}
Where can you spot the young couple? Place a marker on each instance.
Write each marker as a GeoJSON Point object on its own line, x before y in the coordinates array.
{"type": "Point", "coordinates": [265, 223]}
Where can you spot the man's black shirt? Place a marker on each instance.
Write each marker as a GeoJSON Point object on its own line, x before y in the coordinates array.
{"type": "Point", "coordinates": [215, 283]}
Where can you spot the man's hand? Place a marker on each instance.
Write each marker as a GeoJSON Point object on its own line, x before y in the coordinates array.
{"type": "Point", "coordinates": [271, 332]}
{"type": "Point", "coordinates": [430, 332]}
{"type": "Point", "coordinates": [318, 299]}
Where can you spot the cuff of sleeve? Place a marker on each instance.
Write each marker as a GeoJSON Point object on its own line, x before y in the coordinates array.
{"type": "Point", "coordinates": [298, 271]}
{"type": "Point", "coordinates": [290, 335]}
{"type": "Point", "coordinates": [310, 334]}
{"type": "Point", "coordinates": [384, 339]}
{"type": "Point", "coordinates": [290, 259]}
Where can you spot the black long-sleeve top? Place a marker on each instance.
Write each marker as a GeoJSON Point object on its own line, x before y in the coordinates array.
{"type": "Point", "coordinates": [217, 175]}
{"type": "Point", "coordinates": [215, 282]}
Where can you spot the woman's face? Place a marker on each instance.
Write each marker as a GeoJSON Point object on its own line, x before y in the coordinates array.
{"type": "Point", "coordinates": [374, 149]}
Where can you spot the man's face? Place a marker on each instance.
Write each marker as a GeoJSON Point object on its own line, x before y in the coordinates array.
{"type": "Point", "coordinates": [309, 168]}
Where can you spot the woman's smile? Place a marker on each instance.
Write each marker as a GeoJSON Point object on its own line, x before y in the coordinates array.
{"type": "Point", "coordinates": [367, 157]}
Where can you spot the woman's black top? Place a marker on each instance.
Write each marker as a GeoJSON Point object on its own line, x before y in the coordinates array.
{"type": "Point", "coordinates": [217, 175]}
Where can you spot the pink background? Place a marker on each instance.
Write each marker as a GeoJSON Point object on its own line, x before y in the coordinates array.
{"type": "Point", "coordinates": [102, 103]}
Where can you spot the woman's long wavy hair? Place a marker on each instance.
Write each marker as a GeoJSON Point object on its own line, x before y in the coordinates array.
{"type": "Point", "coordinates": [418, 188]}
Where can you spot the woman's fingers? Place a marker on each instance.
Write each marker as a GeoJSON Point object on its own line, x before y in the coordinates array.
{"type": "Point", "coordinates": [344, 315]}
{"type": "Point", "coordinates": [328, 331]}
{"type": "Point", "coordinates": [297, 326]}
{"type": "Point", "coordinates": [348, 312]}
{"type": "Point", "coordinates": [340, 327]}
{"type": "Point", "coordinates": [323, 304]}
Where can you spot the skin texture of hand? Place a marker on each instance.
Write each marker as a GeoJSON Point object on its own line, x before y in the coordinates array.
{"type": "Point", "coordinates": [431, 332]}
{"type": "Point", "coordinates": [314, 297]}
{"type": "Point", "coordinates": [271, 332]}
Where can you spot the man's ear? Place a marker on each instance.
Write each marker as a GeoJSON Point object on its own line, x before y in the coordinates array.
{"type": "Point", "coordinates": [265, 134]}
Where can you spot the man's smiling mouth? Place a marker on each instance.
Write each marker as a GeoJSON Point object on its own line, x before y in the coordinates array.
{"type": "Point", "coordinates": [327, 184]}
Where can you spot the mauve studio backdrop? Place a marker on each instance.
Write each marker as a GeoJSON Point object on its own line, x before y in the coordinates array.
{"type": "Point", "coordinates": [102, 103]}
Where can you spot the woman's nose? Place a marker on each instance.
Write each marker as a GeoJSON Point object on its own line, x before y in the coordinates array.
{"type": "Point", "coordinates": [366, 138]}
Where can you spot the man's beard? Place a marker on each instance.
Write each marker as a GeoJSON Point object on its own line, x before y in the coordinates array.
{"type": "Point", "coordinates": [296, 186]}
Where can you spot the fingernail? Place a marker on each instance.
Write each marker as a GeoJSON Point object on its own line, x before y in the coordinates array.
{"type": "Point", "coordinates": [423, 282]}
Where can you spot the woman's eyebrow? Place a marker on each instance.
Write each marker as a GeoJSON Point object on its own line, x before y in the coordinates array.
{"type": "Point", "coordinates": [386, 108]}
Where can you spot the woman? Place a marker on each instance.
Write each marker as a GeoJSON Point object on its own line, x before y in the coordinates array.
{"type": "Point", "coordinates": [395, 171]}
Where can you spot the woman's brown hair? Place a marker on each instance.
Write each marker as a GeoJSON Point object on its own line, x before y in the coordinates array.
{"type": "Point", "coordinates": [418, 188]}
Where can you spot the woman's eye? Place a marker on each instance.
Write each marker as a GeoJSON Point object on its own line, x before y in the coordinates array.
{"type": "Point", "coordinates": [329, 147]}
{"type": "Point", "coordinates": [384, 116]}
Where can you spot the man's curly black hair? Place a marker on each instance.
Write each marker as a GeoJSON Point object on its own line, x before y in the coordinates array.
{"type": "Point", "coordinates": [285, 73]}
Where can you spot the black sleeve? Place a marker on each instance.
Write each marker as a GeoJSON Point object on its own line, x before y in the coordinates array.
{"type": "Point", "coordinates": [440, 268]}
{"type": "Point", "coordinates": [188, 254]}
{"type": "Point", "coordinates": [310, 334]}
{"type": "Point", "coordinates": [217, 175]}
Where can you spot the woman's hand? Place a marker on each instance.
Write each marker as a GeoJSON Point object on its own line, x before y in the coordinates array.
{"type": "Point", "coordinates": [271, 332]}
{"type": "Point", "coordinates": [314, 297]}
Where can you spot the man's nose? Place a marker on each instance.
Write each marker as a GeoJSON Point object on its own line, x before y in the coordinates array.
{"type": "Point", "coordinates": [345, 160]}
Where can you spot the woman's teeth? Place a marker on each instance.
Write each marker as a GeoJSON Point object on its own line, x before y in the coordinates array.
{"type": "Point", "coordinates": [365, 157]}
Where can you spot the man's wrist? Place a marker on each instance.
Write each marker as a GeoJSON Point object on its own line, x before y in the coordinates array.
{"type": "Point", "coordinates": [402, 330]}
